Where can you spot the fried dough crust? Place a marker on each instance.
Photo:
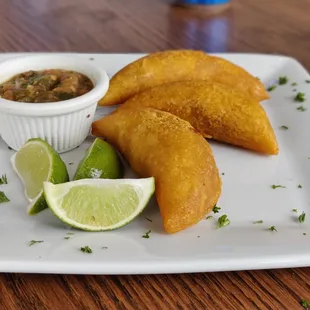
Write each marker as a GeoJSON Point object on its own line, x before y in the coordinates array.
{"type": "Point", "coordinates": [159, 144]}
{"type": "Point", "coordinates": [217, 111]}
{"type": "Point", "coordinates": [179, 65]}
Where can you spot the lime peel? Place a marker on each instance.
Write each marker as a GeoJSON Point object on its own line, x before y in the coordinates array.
{"type": "Point", "coordinates": [35, 163]}
{"type": "Point", "coordinates": [13, 162]}
{"type": "Point", "coordinates": [99, 204]}
{"type": "Point", "coordinates": [101, 161]}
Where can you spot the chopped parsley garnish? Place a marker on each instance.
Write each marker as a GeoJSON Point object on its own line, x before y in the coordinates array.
{"type": "Point", "coordinates": [305, 303]}
{"type": "Point", "coordinates": [210, 217]}
{"type": "Point", "coordinates": [300, 97]}
{"type": "Point", "coordinates": [3, 197]}
{"type": "Point", "coordinates": [294, 84]}
{"type": "Point", "coordinates": [299, 186]}
{"type": "Point", "coordinates": [70, 233]}
{"type": "Point", "coordinates": [301, 108]}
{"type": "Point", "coordinates": [272, 228]}
{"type": "Point", "coordinates": [284, 127]}
{"type": "Point", "coordinates": [277, 186]}
{"type": "Point", "coordinates": [148, 219]}
{"type": "Point", "coordinates": [3, 179]}
{"type": "Point", "coordinates": [294, 210]}
{"type": "Point", "coordinates": [86, 249]}
{"type": "Point", "coordinates": [216, 209]}
{"type": "Point", "coordinates": [302, 217]}
{"type": "Point", "coordinates": [32, 242]}
{"type": "Point", "coordinates": [258, 222]}
{"type": "Point", "coordinates": [307, 81]}
{"type": "Point", "coordinates": [147, 235]}
{"type": "Point", "coordinates": [272, 87]}
{"type": "Point", "coordinates": [283, 80]}
{"type": "Point", "coordinates": [222, 221]}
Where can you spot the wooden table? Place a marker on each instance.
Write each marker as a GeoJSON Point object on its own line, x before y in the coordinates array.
{"type": "Point", "coordinates": [253, 26]}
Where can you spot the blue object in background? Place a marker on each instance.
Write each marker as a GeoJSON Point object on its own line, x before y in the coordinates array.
{"type": "Point", "coordinates": [206, 2]}
{"type": "Point", "coordinates": [212, 35]}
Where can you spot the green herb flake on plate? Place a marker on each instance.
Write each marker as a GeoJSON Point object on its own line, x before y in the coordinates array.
{"type": "Point", "coordinates": [301, 108]}
{"type": "Point", "coordinates": [277, 186]}
{"type": "Point", "coordinates": [216, 209]}
{"type": "Point", "coordinates": [300, 97]}
{"type": "Point", "coordinates": [3, 197]}
{"type": "Point", "coordinates": [3, 179]}
{"type": "Point", "coordinates": [283, 80]}
{"type": "Point", "coordinates": [272, 228]}
{"type": "Point", "coordinates": [271, 88]}
{"type": "Point", "coordinates": [222, 221]}
{"type": "Point", "coordinates": [147, 235]}
{"type": "Point", "coordinates": [302, 217]}
{"type": "Point", "coordinates": [86, 249]}
{"type": "Point", "coordinates": [32, 242]}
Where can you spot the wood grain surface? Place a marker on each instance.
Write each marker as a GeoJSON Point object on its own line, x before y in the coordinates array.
{"type": "Point", "coordinates": [101, 26]}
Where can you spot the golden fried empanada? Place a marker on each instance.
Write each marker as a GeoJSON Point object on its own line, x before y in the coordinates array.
{"type": "Point", "coordinates": [179, 65]}
{"type": "Point", "coordinates": [159, 144]}
{"type": "Point", "coordinates": [217, 111]}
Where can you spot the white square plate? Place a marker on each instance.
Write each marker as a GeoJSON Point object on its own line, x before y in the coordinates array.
{"type": "Point", "coordinates": [247, 196]}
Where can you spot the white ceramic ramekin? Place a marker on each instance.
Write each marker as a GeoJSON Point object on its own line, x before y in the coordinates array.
{"type": "Point", "coordinates": [64, 124]}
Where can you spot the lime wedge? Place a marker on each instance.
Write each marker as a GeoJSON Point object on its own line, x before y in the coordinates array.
{"type": "Point", "coordinates": [35, 163]}
{"type": "Point", "coordinates": [99, 204]}
{"type": "Point", "coordinates": [100, 162]}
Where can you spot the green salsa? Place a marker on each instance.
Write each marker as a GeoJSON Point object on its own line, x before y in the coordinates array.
{"type": "Point", "coordinates": [45, 86]}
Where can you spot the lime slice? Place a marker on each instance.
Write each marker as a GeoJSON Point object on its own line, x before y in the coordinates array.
{"type": "Point", "coordinates": [100, 162]}
{"type": "Point", "coordinates": [99, 204]}
{"type": "Point", "coordinates": [35, 163]}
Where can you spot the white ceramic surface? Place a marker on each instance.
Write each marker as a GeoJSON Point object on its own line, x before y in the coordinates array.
{"type": "Point", "coordinates": [63, 124]}
{"type": "Point", "coordinates": [247, 196]}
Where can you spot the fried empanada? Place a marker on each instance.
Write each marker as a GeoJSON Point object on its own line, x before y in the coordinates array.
{"type": "Point", "coordinates": [179, 65]}
{"type": "Point", "coordinates": [159, 144]}
{"type": "Point", "coordinates": [217, 111]}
